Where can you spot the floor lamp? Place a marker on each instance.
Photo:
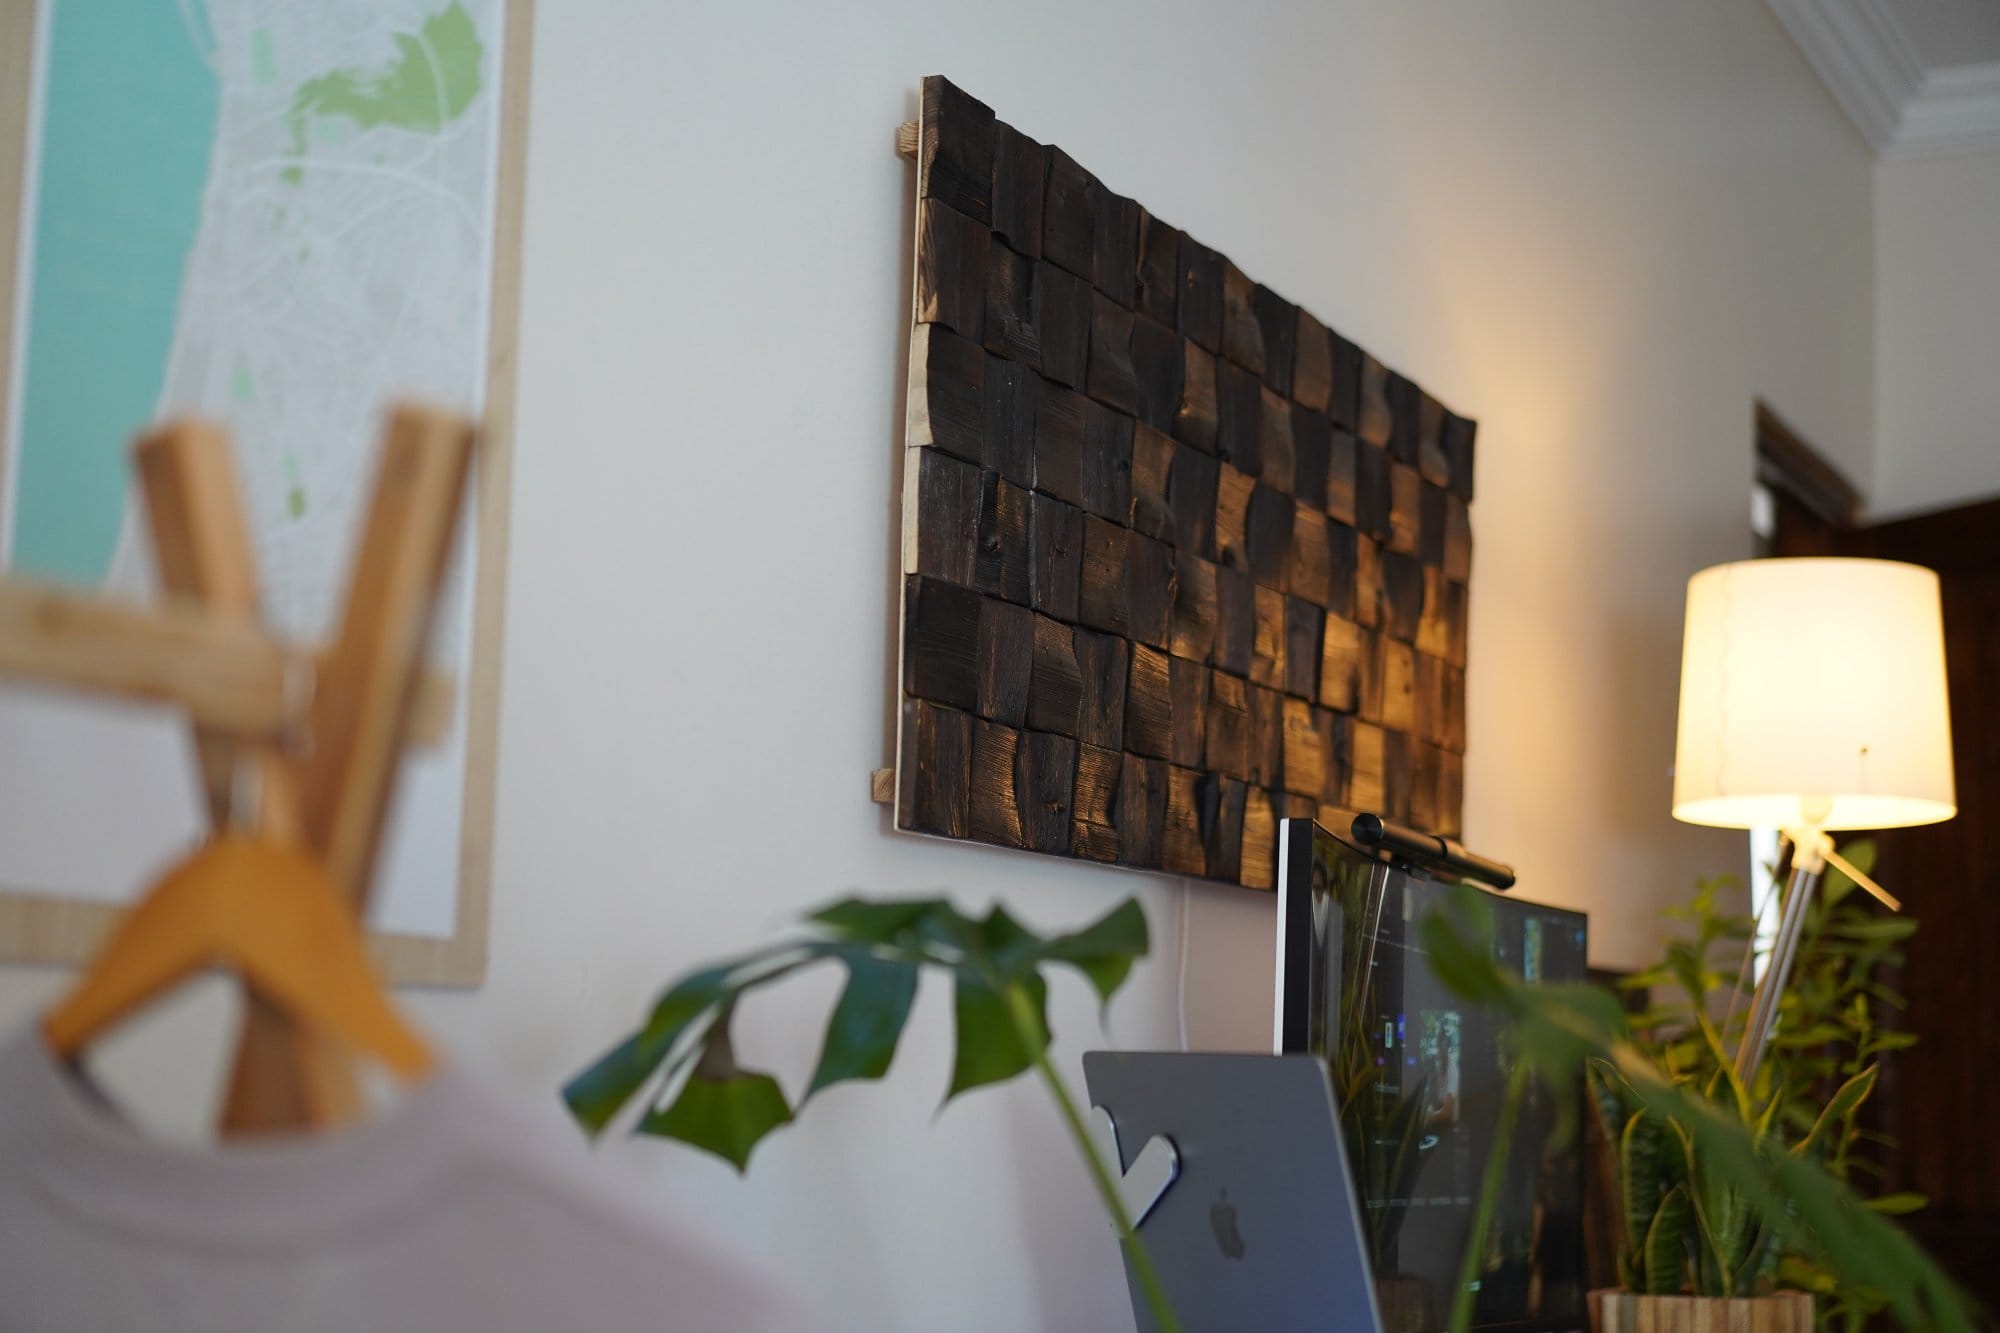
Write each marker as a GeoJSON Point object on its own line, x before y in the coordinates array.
{"type": "Point", "coordinates": [1812, 700]}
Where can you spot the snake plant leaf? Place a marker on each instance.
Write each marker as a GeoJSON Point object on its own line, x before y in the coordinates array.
{"type": "Point", "coordinates": [722, 1108]}
{"type": "Point", "coordinates": [1842, 1104]}
{"type": "Point", "coordinates": [866, 1024]}
{"type": "Point", "coordinates": [1895, 1205]}
{"type": "Point", "coordinates": [1105, 950]}
{"type": "Point", "coordinates": [1639, 1150]}
{"type": "Point", "coordinates": [1666, 1244]}
{"type": "Point", "coordinates": [989, 1046]}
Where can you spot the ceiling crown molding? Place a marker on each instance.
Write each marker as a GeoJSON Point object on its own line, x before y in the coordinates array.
{"type": "Point", "coordinates": [1904, 109]}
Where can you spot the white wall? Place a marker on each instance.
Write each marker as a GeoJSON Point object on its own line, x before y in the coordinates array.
{"type": "Point", "coordinates": [1937, 310]}
{"type": "Point", "coordinates": [1600, 228]}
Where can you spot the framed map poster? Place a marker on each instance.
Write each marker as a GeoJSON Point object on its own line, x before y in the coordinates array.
{"type": "Point", "coordinates": [282, 217]}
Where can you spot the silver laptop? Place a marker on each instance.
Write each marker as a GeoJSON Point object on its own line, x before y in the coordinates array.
{"type": "Point", "coordinates": [1258, 1227]}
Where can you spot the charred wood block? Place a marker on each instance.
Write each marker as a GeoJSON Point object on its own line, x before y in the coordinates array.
{"type": "Point", "coordinates": [1312, 365]}
{"type": "Point", "coordinates": [1102, 605]}
{"type": "Point", "coordinates": [1340, 477]}
{"type": "Point", "coordinates": [1373, 422]}
{"type": "Point", "coordinates": [1405, 508]}
{"type": "Point", "coordinates": [1399, 685]}
{"type": "Point", "coordinates": [1116, 259]}
{"type": "Point", "coordinates": [1402, 596]}
{"type": "Point", "coordinates": [1192, 496]}
{"type": "Point", "coordinates": [1055, 685]}
{"type": "Point", "coordinates": [1239, 400]}
{"type": "Point", "coordinates": [1187, 689]}
{"type": "Point", "coordinates": [1432, 461]}
{"type": "Point", "coordinates": [1367, 781]}
{"type": "Point", "coordinates": [1396, 775]}
{"type": "Point", "coordinates": [994, 815]}
{"type": "Point", "coordinates": [1267, 736]}
{"type": "Point", "coordinates": [1191, 633]}
{"type": "Point", "coordinates": [1156, 372]}
{"type": "Point", "coordinates": [1371, 492]}
{"type": "Point", "coordinates": [1201, 294]}
{"type": "Point", "coordinates": [1055, 573]}
{"type": "Point", "coordinates": [1305, 749]}
{"type": "Point", "coordinates": [955, 156]}
{"type": "Point", "coordinates": [1149, 712]}
{"type": "Point", "coordinates": [1344, 403]}
{"type": "Point", "coordinates": [1457, 433]}
{"type": "Point", "coordinates": [1059, 441]}
{"type": "Point", "coordinates": [1196, 423]}
{"type": "Point", "coordinates": [1425, 766]}
{"type": "Point", "coordinates": [1342, 553]}
{"type": "Point", "coordinates": [1180, 843]}
{"type": "Point", "coordinates": [1296, 807]}
{"type": "Point", "coordinates": [1232, 517]}
{"type": "Point", "coordinates": [1369, 705]}
{"type": "Point", "coordinates": [1454, 710]}
{"type": "Point", "coordinates": [1006, 660]}
{"type": "Point", "coordinates": [947, 393]}
{"type": "Point", "coordinates": [1020, 170]}
{"type": "Point", "coordinates": [1434, 625]}
{"type": "Point", "coordinates": [1242, 338]}
{"type": "Point", "coordinates": [1432, 723]}
{"type": "Point", "coordinates": [1102, 659]}
{"type": "Point", "coordinates": [1451, 795]}
{"type": "Point", "coordinates": [1094, 813]}
{"type": "Point", "coordinates": [1226, 748]}
{"type": "Point", "coordinates": [934, 770]}
{"type": "Point", "coordinates": [1336, 740]}
{"type": "Point", "coordinates": [1344, 649]}
{"type": "Point", "coordinates": [951, 270]}
{"type": "Point", "coordinates": [1457, 560]}
{"type": "Point", "coordinates": [1304, 632]}
{"type": "Point", "coordinates": [1235, 620]}
{"type": "Point", "coordinates": [1278, 329]}
{"type": "Point", "coordinates": [1011, 390]}
{"type": "Point", "coordinates": [1311, 569]}
{"type": "Point", "coordinates": [1455, 614]}
{"type": "Point", "coordinates": [1219, 806]}
{"type": "Point", "coordinates": [1268, 537]}
{"type": "Point", "coordinates": [1152, 461]}
{"type": "Point", "coordinates": [1071, 202]}
{"type": "Point", "coordinates": [1012, 330]}
{"type": "Point", "coordinates": [1159, 283]}
{"type": "Point", "coordinates": [1142, 810]}
{"type": "Point", "coordinates": [1368, 592]}
{"type": "Point", "coordinates": [941, 642]}
{"type": "Point", "coordinates": [1274, 445]}
{"type": "Point", "coordinates": [1149, 590]}
{"type": "Point", "coordinates": [1259, 865]}
{"type": "Point", "coordinates": [1404, 417]}
{"type": "Point", "coordinates": [947, 515]}
{"type": "Point", "coordinates": [1111, 378]}
{"type": "Point", "coordinates": [1433, 524]}
{"type": "Point", "coordinates": [1312, 445]}
{"type": "Point", "coordinates": [1044, 790]}
{"type": "Point", "coordinates": [1001, 560]}
{"type": "Point", "coordinates": [1107, 462]}
{"type": "Point", "coordinates": [1062, 315]}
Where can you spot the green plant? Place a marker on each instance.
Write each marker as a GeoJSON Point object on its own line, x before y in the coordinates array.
{"type": "Point", "coordinates": [699, 1094]}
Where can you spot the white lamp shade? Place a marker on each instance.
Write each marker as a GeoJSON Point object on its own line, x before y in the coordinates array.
{"type": "Point", "coordinates": [1813, 693]}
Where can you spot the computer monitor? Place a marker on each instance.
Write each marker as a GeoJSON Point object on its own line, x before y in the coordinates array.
{"type": "Point", "coordinates": [1420, 1075]}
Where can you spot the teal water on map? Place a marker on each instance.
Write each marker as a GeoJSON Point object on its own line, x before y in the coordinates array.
{"type": "Point", "coordinates": [128, 122]}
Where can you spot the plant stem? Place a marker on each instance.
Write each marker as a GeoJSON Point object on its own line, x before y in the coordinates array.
{"type": "Point", "coordinates": [1102, 1173]}
{"type": "Point", "coordinates": [1489, 1190]}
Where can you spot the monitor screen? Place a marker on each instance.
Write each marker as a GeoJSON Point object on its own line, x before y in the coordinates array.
{"type": "Point", "coordinates": [1420, 1075]}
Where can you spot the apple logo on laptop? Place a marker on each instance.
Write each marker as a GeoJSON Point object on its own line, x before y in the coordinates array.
{"type": "Point", "coordinates": [1222, 1216]}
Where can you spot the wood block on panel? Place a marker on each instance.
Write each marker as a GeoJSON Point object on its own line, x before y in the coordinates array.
{"type": "Point", "coordinates": [1432, 721]}
{"type": "Point", "coordinates": [1192, 496]}
{"type": "Point", "coordinates": [1180, 844]}
{"type": "Point", "coordinates": [1071, 200]}
{"type": "Point", "coordinates": [1267, 648]}
{"type": "Point", "coordinates": [1219, 807]}
{"type": "Point", "coordinates": [1344, 646]}
{"type": "Point", "coordinates": [1366, 790]}
{"type": "Point", "coordinates": [1152, 460]}
{"type": "Point", "coordinates": [1457, 540]}
{"type": "Point", "coordinates": [1055, 571]}
{"type": "Point", "coordinates": [1312, 447]}
{"type": "Point", "coordinates": [1434, 624]}
{"type": "Point", "coordinates": [1239, 405]}
{"type": "Point", "coordinates": [1432, 524]}
{"type": "Point", "coordinates": [1110, 378]}
{"type": "Point", "coordinates": [934, 771]}
{"type": "Point", "coordinates": [1094, 806]}
{"type": "Point", "coordinates": [1336, 744]}
{"type": "Point", "coordinates": [1062, 316]}
{"type": "Point", "coordinates": [1149, 590]}
{"type": "Point", "coordinates": [994, 815]}
{"type": "Point", "coordinates": [947, 516]}
{"type": "Point", "coordinates": [1268, 537]}
{"type": "Point", "coordinates": [1341, 501]}
{"type": "Point", "coordinates": [1289, 806]}
{"type": "Point", "coordinates": [1107, 462]}
{"type": "Point", "coordinates": [1426, 765]}
{"type": "Point", "coordinates": [1432, 460]}
{"type": "Point", "coordinates": [1344, 403]}
{"type": "Point", "coordinates": [1200, 315]}
{"type": "Point", "coordinates": [1275, 447]}
{"type": "Point", "coordinates": [1116, 258]}
{"type": "Point", "coordinates": [1399, 685]}
{"type": "Point", "coordinates": [1159, 282]}
{"type": "Point", "coordinates": [1309, 573]}
{"type": "Point", "coordinates": [1142, 811]}
{"type": "Point", "coordinates": [1457, 606]}
{"type": "Point", "coordinates": [1009, 446]}
{"type": "Point", "coordinates": [1278, 325]}
{"type": "Point", "coordinates": [1371, 492]}
{"type": "Point", "coordinates": [1402, 595]}
{"type": "Point", "coordinates": [955, 153]}
{"type": "Point", "coordinates": [1191, 632]}
{"type": "Point", "coordinates": [947, 393]}
{"type": "Point", "coordinates": [1395, 775]}
{"type": "Point", "coordinates": [1226, 748]}
{"type": "Point", "coordinates": [1367, 583]}
{"type": "Point", "coordinates": [951, 270]}
{"type": "Point", "coordinates": [1232, 517]}
{"type": "Point", "coordinates": [1343, 551]}
{"type": "Point", "coordinates": [1405, 507]}
{"type": "Point", "coordinates": [1259, 855]}
{"type": "Point", "coordinates": [1242, 339]}
{"type": "Point", "coordinates": [1102, 659]}
{"type": "Point", "coordinates": [1000, 561]}
{"type": "Point", "coordinates": [1403, 417]}
{"type": "Point", "coordinates": [1304, 629]}
{"type": "Point", "coordinates": [941, 642]}
{"type": "Point", "coordinates": [1195, 423]}
{"type": "Point", "coordinates": [1451, 795]}
{"type": "Point", "coordinates": [1187, 689]}
{"type": "Point", "coordinates": [1102, 605]}
{"type": "Point", "coordinates": [1011, 328]}
{"type": "Point", "coordinates": [1149, 713]}
{"type": "Point", "coordinates": [1020, 169]}
{"type": "Point", "coordinates": [1235, 620]}
{"type": "Point", "coordinates": [1312, 365]}
{"type": "Point", "coordinates": [1156, 371]}
{"type": "Point", "coordinates": [1267, 736]}
{"type": "Point", "coordinates": [1044, 790]}
{"type": "Point", "coordinates": [1055, 684]}
{"type": "Point", "coordinates": [1454, 710]}
{"type": "Point", "coordinates": [1458, 433]}
{"type": "Point", "coordinates": [1059, 442]}
{"type": "Point", "coordinates": [1373, 423]}
{"type": "Point", "coordinates": [1305, 754]}
{"type": "Point", "coordinates": [1006, 660]}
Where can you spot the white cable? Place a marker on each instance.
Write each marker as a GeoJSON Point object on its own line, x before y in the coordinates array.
{"type": "Point", "coordinates": [1180, 988]}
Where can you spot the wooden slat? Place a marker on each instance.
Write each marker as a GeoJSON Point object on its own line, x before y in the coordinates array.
{"type": "Point", "coordinates": [1094, 813]}
{"type": "Point", "coordinates": [1142, 811]}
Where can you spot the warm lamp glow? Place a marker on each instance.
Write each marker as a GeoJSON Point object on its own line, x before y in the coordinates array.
{"type": "Point", "coordinates": [1813, 694]}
